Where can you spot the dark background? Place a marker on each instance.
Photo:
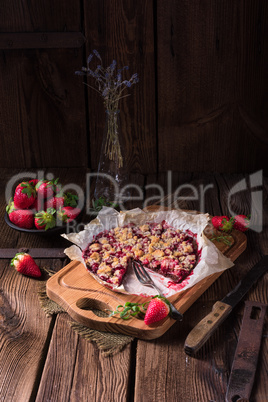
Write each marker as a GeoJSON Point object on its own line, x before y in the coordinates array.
{"type": "Point", "coordinates": [201, 103]}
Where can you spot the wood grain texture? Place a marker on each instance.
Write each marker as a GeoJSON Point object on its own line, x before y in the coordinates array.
{"type": "Point", "coordinates": [211, 71]}
{"type": "Point", "coordinates": [200, 105]}
{"type": "Point", "coordinates": [124, 31]}
{"type": "Point", "coordinates": [42, 107]}
{"type": "Point", "coordinates": [24, 333]}
{"type": "Point", "coordinates": [75, 369]}
{"type": "Point", "coordinates": [41, 40]}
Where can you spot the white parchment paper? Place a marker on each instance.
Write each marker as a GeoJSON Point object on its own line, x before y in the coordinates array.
{"type": "Point", "coordinates": [211, 259]}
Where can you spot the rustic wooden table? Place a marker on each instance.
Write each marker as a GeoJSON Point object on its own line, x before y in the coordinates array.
{"type": "Point", "coordinates": [43, 359]}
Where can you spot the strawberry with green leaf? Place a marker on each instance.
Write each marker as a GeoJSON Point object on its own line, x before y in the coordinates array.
{"type": "Point", "coordinates": [45, 220]}
{"type": "Point", "coordinates": [25, 264]}
{"type": "Point", "coordinates": [158, 309]}
{"type": "Point", "coordinates": [67, 214]}
{"type": "Point", "coordinates": [223, 223]}
{"type": "Point", "coordinates": [47, 188]}
{"type": "Point", "coordinates": [155, 310]}
{"type": "Point", "coordinates": [24, 195]}
{"type": "Point", "coordinates": [33, 182]}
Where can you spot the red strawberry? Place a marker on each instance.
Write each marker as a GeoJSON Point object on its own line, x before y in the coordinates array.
{"type": "Point", "coordinates": [26, 265]}
{"type": "Point", "coordinates": [223, 223]}
{"type": "Point", "coordinates": [67, 214]}
{"type": "Point", "coordinates": [45, 189]}
{"type": "Point", "coordinates": [23, 218]}
{"type": "Point", "coordinates": [45, 220]}
{"type": "Point", "coordinates": [33, 182]}
{"type": "Point", "coordinates": [158, 309]}
{"type": "Point", "coordinates": [39, 204]}
{"type": "Point", "coordinates": [24, 195]}
{"type": "Point", "coordinates": [55, 202]}
{"type": "Point", "coordinates": [241, 223]}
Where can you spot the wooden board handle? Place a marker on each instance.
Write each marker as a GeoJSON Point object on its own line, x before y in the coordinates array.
{"type": "Point", "coordinates": [205, 328]}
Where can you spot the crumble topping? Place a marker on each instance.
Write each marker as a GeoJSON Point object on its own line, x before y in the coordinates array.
{"type": "Point", "coordinates": [159, 247]}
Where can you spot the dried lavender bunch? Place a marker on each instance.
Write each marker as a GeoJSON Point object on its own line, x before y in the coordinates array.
{"type": "Point", "coordinates": [110, 85]}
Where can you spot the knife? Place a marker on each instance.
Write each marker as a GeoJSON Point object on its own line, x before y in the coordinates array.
{"type": "Point", "coordinates": [221, 309]}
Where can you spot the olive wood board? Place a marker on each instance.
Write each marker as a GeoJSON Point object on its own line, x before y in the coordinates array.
{"type": "Point", "coordinates": [80, 295]}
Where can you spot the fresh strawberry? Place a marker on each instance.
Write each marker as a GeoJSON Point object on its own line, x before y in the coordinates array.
{"type": "Point", "coordinates": [158, 309]}
{"type": "Point", "coordinates": [44, 189]}
{"type": "Point", "coordinates": [45, 220]}
{"type": "Point", "coordinates": [67, 214]}
{"type": "Point", "coordinates": [55, 202]}
{"type": "Point", "coordinates": [26, 265]}
{"type": "Point", "coordinates": [23, 218]}
{"type": "Point", "coordinates": [33, 182]}
{"type": "Point", "coordinates": [223, 223]}
{"type": "Point", "coordinates": [47, 188]}
{"type": "Point", "coordinates": [39, 204]}
{"type": "Point", "coordinates": [24, 196]}
{"type": "Point", "coordinates": [241, 223]}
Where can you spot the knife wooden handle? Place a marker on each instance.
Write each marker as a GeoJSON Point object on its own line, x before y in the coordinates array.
{"type": "Point", "coordinates": [202, 331]}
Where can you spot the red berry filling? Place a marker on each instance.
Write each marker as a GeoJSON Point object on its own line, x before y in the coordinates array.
{"type": "Point", "coordinates": [159, 247]}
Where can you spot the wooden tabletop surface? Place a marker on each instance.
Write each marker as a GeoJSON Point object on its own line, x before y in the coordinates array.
{"type": "Point", "coordinates": [43, 359]}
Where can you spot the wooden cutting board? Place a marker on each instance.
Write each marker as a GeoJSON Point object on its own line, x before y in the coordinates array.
{"type": "Point", "coordinates": [84, 298]}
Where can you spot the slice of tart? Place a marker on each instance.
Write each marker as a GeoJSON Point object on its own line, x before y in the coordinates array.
{"type": "Point", "coordinates": [160, 247]}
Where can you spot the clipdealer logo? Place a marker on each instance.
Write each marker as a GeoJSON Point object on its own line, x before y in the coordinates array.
{"type": "Point", "coordinates": [254, 187]}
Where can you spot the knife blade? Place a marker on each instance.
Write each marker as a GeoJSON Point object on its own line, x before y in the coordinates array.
{"type": "Point", "coordinates": [221, 309]}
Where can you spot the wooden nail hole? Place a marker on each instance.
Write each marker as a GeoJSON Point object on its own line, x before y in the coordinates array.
{"type": "Point", "coordinates": [255, 313]}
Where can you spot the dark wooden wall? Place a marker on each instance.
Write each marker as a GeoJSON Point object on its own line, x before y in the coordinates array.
{"type": "Point", "coordinates": [201, 103]}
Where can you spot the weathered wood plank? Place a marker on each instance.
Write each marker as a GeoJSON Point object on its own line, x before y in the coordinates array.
{"type": "Point", "coordinates": [75, 369]}
{"type": "Point", "coordinates": [44, 110]}
{"type": "Point", "coordinates": [41, 100]}
{"type": "Point", "coordinates": [24, 334]}
{"type": "Point", "coordinates": [208, 118]}
{"type": "Point", "coordinates": [161, 187]}
{"type": "Point", "coordinates": [123, 30]}
{"type": "Point", "coordinates": [41, 40]}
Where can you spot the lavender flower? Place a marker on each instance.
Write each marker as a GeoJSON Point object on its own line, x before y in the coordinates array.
{"type": "Point", "coordinates": [109, 84]}
{"type": "Point", "coordinates": [108, 81]}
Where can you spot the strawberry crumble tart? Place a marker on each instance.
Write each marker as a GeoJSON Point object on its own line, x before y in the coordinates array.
{"type": "Point", "coordinates": [159, 247]}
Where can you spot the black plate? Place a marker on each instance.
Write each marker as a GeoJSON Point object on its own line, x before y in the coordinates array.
{"type": "Point", "coordinates": [55, 230]}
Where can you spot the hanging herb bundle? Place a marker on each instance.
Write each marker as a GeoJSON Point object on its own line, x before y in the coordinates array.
{"type": "Point", "coordinates": [110, 85]}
